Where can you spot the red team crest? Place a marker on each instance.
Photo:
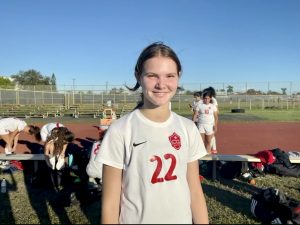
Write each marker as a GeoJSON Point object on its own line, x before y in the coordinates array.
{"type": "Point", "coordinates": [175, 141]}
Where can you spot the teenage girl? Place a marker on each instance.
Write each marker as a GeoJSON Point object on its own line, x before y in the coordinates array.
{"type": "Point", "coordinates": [56, 138]}
{"type": "Point", "coordinates": [150, 156]}
{"type": "Point", "coordinates": [207, 116]}
{"type": "Point", "coordinates": [10, 129]}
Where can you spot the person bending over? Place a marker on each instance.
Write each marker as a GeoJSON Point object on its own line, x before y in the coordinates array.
{"type": "Point", "coordinates": [55, 146]}
{"type": "Point", "coordinates": [10, 129]}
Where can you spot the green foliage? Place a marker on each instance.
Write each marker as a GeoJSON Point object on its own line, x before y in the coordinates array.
{"type": "Point", "coordinates": [284, 91]}
{"type": "Point", "coordinates": [34, 78]}
{"type": "Point", "coordinates": [31, 77]}
{"type": "Point", "coordinates": [5, 83]}
{"type": "Point", "coordinates": [53, 82]}
{"type": "Point", "coordinates": [229, 89]}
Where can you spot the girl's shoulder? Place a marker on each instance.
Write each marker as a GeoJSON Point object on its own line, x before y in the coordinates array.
{"type": "Point", "coordinates": [120, 122]}
{"type": "Point", "coordinates": [186, 121]}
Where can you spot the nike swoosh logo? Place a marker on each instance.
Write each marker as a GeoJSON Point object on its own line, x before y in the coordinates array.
{"type": "Point", "coordinates": [137, 144]}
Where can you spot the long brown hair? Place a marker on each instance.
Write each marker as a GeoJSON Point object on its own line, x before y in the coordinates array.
{"type": "Point", "coordinates": [60, 136]}
{"type": "Point", "coordinates": [35, 131]}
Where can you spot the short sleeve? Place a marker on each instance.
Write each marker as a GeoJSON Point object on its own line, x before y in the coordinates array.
{"type": "Point", "coordinates": [112, 151]}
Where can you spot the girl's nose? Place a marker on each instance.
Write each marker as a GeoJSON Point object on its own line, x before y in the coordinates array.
{"type": "Point", "coordinates": [160, 82]}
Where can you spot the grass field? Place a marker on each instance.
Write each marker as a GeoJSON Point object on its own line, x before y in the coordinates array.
{"type": "Point", "coordinates": [228, 200]}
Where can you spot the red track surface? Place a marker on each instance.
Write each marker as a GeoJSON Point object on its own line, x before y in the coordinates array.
{"type": "Point", "coordinates": [232, 138]}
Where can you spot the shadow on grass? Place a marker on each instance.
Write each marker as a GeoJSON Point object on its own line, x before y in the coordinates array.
{"type": "Point", "coordinates": [45, 203]}
{"type": "Point", "coordinates": [227, 198]}
{"type": "Point", "coordinates": [6, 212]}
{"type": "Point", "coordinates": [42, 192]}
{"type": "Point", "coordinates": [240, 186]}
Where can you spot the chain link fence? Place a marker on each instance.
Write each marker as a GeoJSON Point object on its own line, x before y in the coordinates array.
{"type": "Point", "coordinates": [263, 95]}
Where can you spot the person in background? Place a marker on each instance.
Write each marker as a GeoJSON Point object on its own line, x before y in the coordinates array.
{"type": "Point", "coordinates": [93, 168]}
{"type": "Point", "coordinates": [215, 103]}
{"type": "Point", "coordinates": [56, 138]}
{"type": "Point", "coordinates": [150, 155]}
{"type": "Point", "coordinates": [197, 100]}
{"type": "Point", "coordinates": [10, 129]}
{"type": "Point", "coordinates": [207, 117]}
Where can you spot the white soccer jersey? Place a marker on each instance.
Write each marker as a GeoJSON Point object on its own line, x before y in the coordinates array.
{"type": "Point", "coordinates": [47, 128]}
{"type": "Point", "coordinates": [154, 158]}
{"type": "Point", "coordinates": [195, 104]}
{"type": "Point", "coordinates": [206, 113]}
{"type": "Point", "coordinates": [94, 168]}
{"type": "Point", "coordinates": [8, 125]}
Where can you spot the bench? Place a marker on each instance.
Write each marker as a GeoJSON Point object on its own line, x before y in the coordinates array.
{"type": "Point", "coordinates": [33, 157]}
{"type": "Point", "coordinates": [245, 159]}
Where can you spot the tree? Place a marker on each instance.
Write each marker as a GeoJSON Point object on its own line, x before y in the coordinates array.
{"type": "Point", "coordinates": [6, 83]}
{"type": "Point", "coordinates": [188, 92]}
{"type": "Point", "coordinates": [229, 89]}
{"type": "Point", "coordinates": [32, 77]}
{"type": "Point", "coordinates": [53, 82]}
{"type": "Point", "coordinates": [283, 91]}
{"type": "Point", "coordinates": [252, 91]}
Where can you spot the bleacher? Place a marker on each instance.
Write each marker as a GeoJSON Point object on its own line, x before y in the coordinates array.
{"type": "Point", "coordinates": [32, 111]}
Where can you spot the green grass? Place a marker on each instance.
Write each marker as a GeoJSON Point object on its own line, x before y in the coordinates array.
{"type": "Point", "coordinates": [228, 201]}
{"type": "Point", "coordinates": [253, 115]}
{"type": "Point", "coordinates": [280, 115]}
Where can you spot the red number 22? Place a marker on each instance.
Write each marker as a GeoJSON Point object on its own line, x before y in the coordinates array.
{"type": "Point", "coordinates": [169, 176]}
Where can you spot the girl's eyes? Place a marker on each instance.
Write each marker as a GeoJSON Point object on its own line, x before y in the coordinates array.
{"type": "Point", "coordinates": [151, 75]}
{"type": "Point", "coordinates": [156, 76]}
{"type": "Point", "coordinates": [171, 75]}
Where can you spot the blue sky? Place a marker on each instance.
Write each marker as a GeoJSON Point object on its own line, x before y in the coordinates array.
{"type": "Point", "coordinates": [93, 42]}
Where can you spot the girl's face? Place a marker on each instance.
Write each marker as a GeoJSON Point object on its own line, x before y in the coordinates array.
{"type": "Point", "coordinates": [206, 100]}
{"type": "Point", "coordinates": [159, 81]}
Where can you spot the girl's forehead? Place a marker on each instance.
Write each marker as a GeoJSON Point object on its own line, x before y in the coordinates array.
{"type": "Point", "coordinates": [160, 61]}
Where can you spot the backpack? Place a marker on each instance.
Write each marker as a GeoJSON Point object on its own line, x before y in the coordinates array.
{"type": "Point", "coordinates": [274, 207]}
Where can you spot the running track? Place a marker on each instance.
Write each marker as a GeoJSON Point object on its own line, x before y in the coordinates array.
{"type": "Point", "coordinates": [232, 138]}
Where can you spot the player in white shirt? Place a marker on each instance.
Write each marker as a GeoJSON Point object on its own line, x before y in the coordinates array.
{"type": "Point", "coordinates": [56, 138]}
{"type": "Point", "coordinates": [47, 128]}
{"type": "Point", "coordinates": [207, 116]}
{"type": "Point", "coordinates": [150, 156]}
{"type": "Point", "coordinates": [215, 103]}
{"type": "Point", "coordinates": [94, 168]}
{"type": "Point", "coordinates": [197, 100]}
{"type": "Point", "coordinates": [10, 129]}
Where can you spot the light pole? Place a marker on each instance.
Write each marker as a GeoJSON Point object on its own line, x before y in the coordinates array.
{"type": "Point", "coordinates": [73, 90]}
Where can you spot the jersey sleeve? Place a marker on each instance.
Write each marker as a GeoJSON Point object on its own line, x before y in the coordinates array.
{"type": "Point", "coordinates": [112, 151]}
